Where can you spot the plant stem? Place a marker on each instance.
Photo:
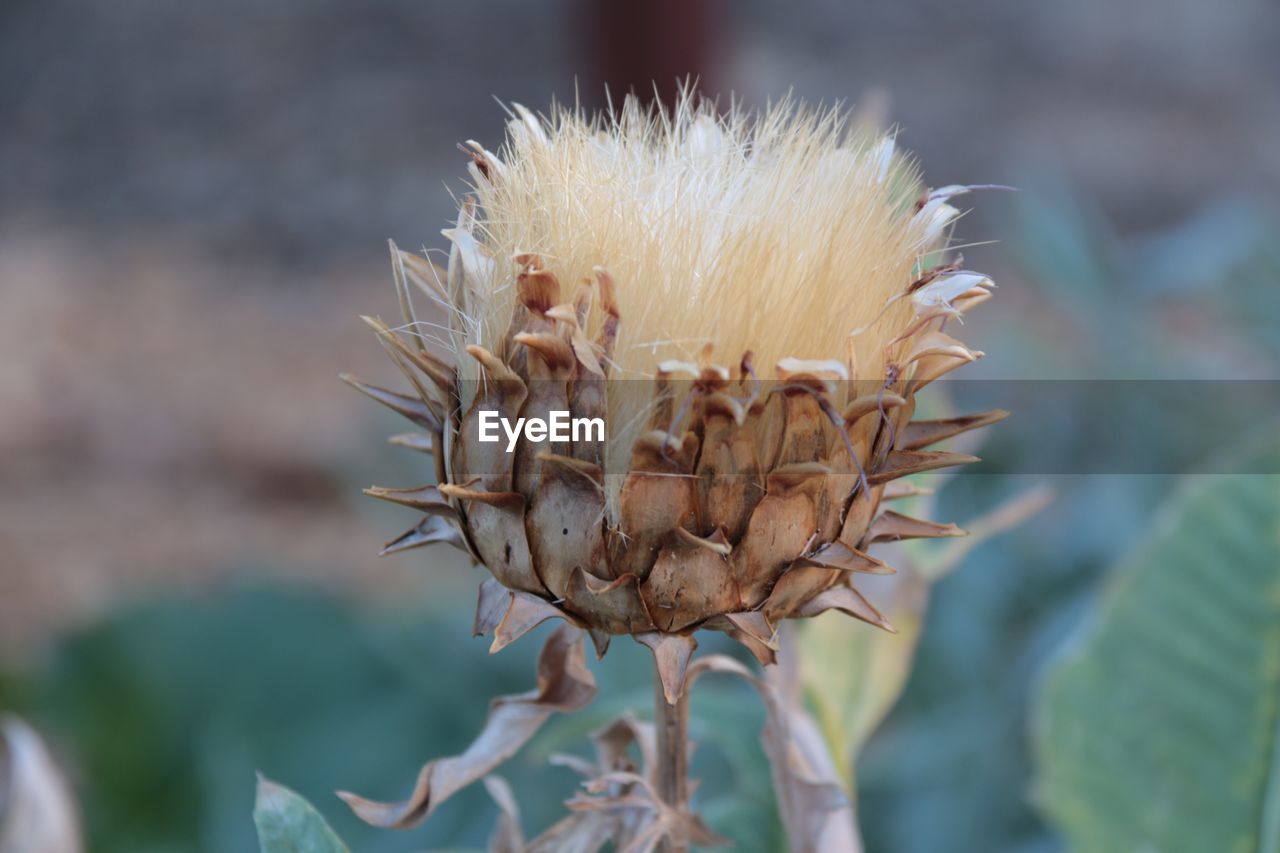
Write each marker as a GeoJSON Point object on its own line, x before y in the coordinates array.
{"type": "Point", "coordinates": [672, 723]}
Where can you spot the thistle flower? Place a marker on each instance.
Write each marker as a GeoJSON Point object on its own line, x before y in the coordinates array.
{"type": "Point", "coordinates": [749, 302]}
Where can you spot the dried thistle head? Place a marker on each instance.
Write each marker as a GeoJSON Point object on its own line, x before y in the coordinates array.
{"type": "Point", "coordinates": [749, 302]}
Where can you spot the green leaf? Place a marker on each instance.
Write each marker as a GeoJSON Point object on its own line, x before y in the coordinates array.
{"type": "Point", "coordinates": [287, 823]}
{"type": "Point", "coordinates": [1160, 731]}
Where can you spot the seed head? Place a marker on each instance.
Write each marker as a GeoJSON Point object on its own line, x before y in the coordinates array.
{"type": "Point", "coordinates": [749, 301]}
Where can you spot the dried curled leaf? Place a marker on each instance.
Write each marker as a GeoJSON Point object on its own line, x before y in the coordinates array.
{"type": "Point", "coordinates": [815, 811]}
{"type": "Point", "coordinates": [507, 837]}
{"type": "Point", "coordinates": [582, 831]}
{"type": "Point", "coordinates": [564, 684]}
{"type": "Point", "coordinates": [643, 820]}
{"type": "Point", "coordinates": [620, 804]}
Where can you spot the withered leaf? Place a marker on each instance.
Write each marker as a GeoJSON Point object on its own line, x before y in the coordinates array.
{"type": "Point", "coordinates": [564, 684]}
{"type": "Point", "coordinates": [816, 814]}
{"type": "Point", "coordinates": [506, 837]}
{"type": "Point", "coordinates": [581, 831]}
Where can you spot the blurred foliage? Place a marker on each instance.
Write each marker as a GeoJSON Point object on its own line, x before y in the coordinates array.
{"type": "Point", "coordinates": [1159, 731]}
{"type": "Point", "coordinates": [951, 768]}
{"type": "Point", "coordinates": [165, 712]}
{"type": "Point", "coordinates": [1197, 299]}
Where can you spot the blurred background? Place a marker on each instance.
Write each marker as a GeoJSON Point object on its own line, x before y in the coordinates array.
{"type": "Point", "coordinates": [194, 204]}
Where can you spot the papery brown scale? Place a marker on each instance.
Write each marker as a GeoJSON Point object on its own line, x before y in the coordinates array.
{"type": "Point", "coordinates": [688, 583]}
{"type": "Point", "coordinates": [858, 515]}
{"type": "Point", "coordinates": [564, 521]}
{"type": "Point", "coordinates": [804, 437]}
{"type": "Point", "coordinates": [893, 526]}
{"type": "Point", "coordinates": [499, 390]}
{"type": "Point", "coordinates": [729, 479]}
{"type": "Point", "coordinates": [782, 526]}
{"type": "Point", "coordinates": [659, 495]}
{"type": "Point", "coordinates": [537, 291]}
{"type": "Point", "coordinates": [614, 606]}
{"type": "Point", "coordinates": [551, 366]}
{"type": "Point", "coordinates": [496, 523]}
{"type": "Point", "coordinates": [767, 420]}
{"type": "Point", "coordinates": [798, 584]}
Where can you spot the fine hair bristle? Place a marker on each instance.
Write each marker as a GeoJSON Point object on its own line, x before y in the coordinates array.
{"type": "Point", "coordinates": [784, 232]}
{"type": "Point", "coordinates": [778, 232]}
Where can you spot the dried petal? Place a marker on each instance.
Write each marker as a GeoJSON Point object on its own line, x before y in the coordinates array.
{"type": "Point", "coordinates": [815, 811]}
{"type": "Point", "coordinates": [837, 555]}
{"type": "Point", "coordinates": [687, 584]}
{"type": "Point", "coordinates": [781, 527]}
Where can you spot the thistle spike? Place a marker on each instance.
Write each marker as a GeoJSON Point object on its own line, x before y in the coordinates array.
{"type": "Point", "coordinates": [894, 526]}
{"type": "Point", "coordinates": [429, 499]}
{"type": "Point", "coordinates": [419, 441]}
{"type": "Point", "coordinates": [525, 613]}
{"type": "Point", "coordinates": [921, 434]}
{"type": "Point", "coordinates": [671, 652]}
{"type": "Point", "coordinates": [492, 602]}
{"type": "Point", "coordinates": [837, 555]}
{"type": "Point", "coordinates": [413, 408]}
{"type": "Point", "coordinates": [402, 287]}
{"type": "Point", "coordinates": [847, 600]}
{"type": "Point", "coordinates": [716, 543]}
{"type": "Point", "coordinates": [903, 463]}
{"type": "Point", "coordinates": [440, 374]}
{"type": "Point", "coordinates": [428, 277]}
{"type": "Point", "coordinates": [431, 530]}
